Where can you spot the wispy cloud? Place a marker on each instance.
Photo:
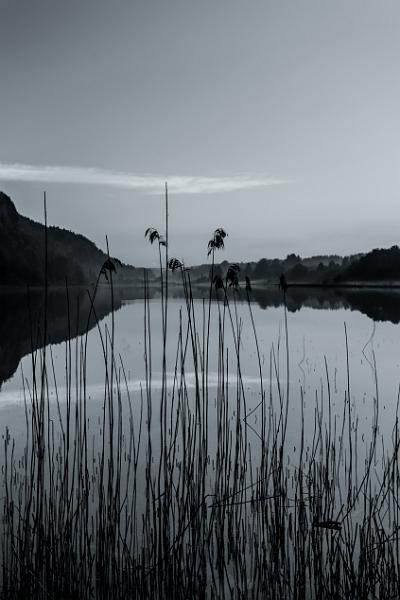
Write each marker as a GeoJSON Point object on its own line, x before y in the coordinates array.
{"type": "Point", "coordinates": [179, 184]}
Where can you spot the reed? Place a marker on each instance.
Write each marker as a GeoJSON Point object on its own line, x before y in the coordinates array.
{"type": "Point", "coordinates": [191, 491]}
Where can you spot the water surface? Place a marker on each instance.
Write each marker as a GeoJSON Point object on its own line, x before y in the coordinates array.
{"type": "Point", "coordinates": [318, 322]}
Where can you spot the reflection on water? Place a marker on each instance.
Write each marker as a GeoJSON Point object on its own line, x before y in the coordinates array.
{"type": "Point", "coordinates": [22, 322]}
{"type": "Point", "coordinates": [317, 348]}
{"type": "Point", "coordinates": [380, 304]}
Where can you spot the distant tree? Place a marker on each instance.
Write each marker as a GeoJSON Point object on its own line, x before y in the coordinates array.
{"type": "Point", "coordinates": [247, 270]}
{"type": "Point", "coordinates": [218, 271]}
{"type": "Point", "coordinates": [377, 265]}
{"type": "Point", "coordinates": [297, 273]}
{"type": "Point", "coordinates": [291, 260]}
{"type": "Point", "coordinates": [261, 270]}
{"type": "Point", "coordinates": [275, 267]}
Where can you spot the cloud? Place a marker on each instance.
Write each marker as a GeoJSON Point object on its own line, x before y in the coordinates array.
{"type": "Point", "coordinates": [178, 184]}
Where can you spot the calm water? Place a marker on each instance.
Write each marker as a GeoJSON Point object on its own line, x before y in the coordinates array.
{"type": "Point", "coordinates": [316, 326]}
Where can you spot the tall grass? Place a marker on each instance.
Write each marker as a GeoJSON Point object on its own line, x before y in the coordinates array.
{"type": "Point", "coordinates": [182, 492]}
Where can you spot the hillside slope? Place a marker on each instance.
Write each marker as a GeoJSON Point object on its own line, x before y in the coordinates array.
{"type": "Point", "coordinates": [71, 257]}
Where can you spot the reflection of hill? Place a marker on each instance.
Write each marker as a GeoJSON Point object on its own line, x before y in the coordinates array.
{"type": "Point", "coordinates": [378, 304]}
{"type": "Point", "coordinates": [21, 325]}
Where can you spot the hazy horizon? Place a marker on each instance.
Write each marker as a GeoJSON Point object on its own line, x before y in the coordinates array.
{"type": "Point", "coordinates": [278, 122]}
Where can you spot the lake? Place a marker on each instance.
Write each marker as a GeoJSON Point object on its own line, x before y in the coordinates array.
{"type": "Point", "coordinates": [258, 456]}
{"type": "Point", "coordinates": [316, 331]}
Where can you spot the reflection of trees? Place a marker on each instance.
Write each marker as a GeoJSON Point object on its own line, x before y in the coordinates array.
{"type": "Point", "coordinates": [378, 304]}
{"type": "Point", "coordinates": [381, 304]}
{"type": "Point", "coordinates": [21, 325]}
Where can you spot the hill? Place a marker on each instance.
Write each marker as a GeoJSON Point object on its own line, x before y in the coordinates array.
{"type": "Point", "coordinates": [71, 256]}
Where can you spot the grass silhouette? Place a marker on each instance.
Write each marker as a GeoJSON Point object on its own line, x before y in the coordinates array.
{"type": "Point", "coordinates": [167, 496]}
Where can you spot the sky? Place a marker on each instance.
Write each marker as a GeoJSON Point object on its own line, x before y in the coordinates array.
{"type": "Point", "coordinates": [276, 120]}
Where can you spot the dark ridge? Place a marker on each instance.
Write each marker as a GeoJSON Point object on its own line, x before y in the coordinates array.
{"type": "Point", "coordinates": [71, 256]}
{"type": "Point", "coordinates": [378, 265]}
